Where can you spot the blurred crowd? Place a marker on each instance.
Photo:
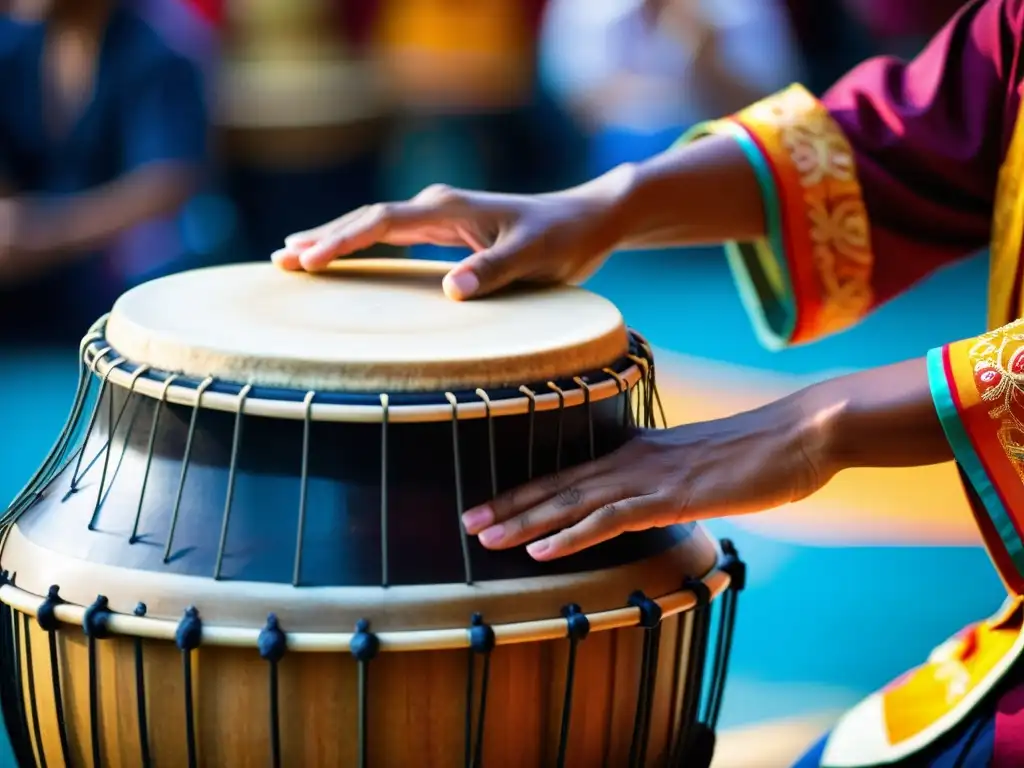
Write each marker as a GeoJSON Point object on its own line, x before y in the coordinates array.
{"type": "Point", "coordinates": [140, 137]}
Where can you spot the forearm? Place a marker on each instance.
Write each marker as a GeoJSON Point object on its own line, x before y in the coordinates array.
{"type": "Point", "coordinates": [883, 417]}
{"type": "Point", "coordinates": [92, 219]}
{"type": "Point", "coordinates": [704, 192]}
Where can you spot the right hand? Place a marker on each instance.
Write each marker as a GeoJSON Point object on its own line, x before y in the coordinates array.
{"type": "Point", "coordinates": [554, 238]}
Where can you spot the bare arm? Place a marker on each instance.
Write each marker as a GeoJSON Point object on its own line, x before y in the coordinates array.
{"type": "Point", "coordinates": [58, 229]}
{"type": "Point", "coordinates": [704, 192]}
{"type": "Point", "coordinates": [883, 417]}
{"type": "Point", "coordinates": [749, 462]}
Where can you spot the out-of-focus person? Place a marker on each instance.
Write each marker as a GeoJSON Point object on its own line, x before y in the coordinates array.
{"type": "Point", "coordinates": [103, 127]}
{"type": "Point", "coordinates": [638, 72]}
{"type": "Point", "coordinates": [299, 112]}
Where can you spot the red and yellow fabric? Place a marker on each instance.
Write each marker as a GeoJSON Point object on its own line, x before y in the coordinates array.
{"type": "Point", "coordinates": [811, 275]}
{"type": "Point", "coordinates": [916, 709]}
{"type": "Point", "coordinates": [978, 388]}
{"type": "Point", "coordinates": [900, 169]}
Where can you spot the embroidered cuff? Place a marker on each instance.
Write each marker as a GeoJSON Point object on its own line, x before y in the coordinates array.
{"type": "Point", "coordinates": [811, 275]}
{"type": "Point", "coordinates": [978, 389]}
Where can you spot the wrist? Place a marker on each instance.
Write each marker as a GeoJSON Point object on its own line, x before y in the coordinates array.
{"type": "Point", "coordinates": [612, 195]}
{"type": "Point", "coordinates": [883, 417]}
{"type": "Point", "coordinates": [699, 193]}
{"type": "Point", "coordinates": [821, 420]}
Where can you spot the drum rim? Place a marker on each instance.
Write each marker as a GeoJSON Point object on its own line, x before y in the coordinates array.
{"type": "Point", "coordinates": [99, 357]}
{"type": "Point", "coordinates": [679, 601]}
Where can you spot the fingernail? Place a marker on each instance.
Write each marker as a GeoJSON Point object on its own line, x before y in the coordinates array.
{"type": "Point", "coordinates": [538, 548]}
{"type": "Point", "coordinates": [477, 519]}
{"type": "Point", "coordinates": [465, 284]}
{"type": "Point", "coordinates": [492, 535]}
{"type": "Point", "coordinates": [309, 260]}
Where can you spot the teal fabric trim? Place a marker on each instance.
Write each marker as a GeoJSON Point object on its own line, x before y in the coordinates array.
{"type": "Point", "coordinates": [968, 458]}
{"type": "Point", "coordinates": [773, 316]}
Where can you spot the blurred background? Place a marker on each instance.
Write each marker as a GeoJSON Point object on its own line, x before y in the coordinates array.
{"type": "Point", "coordinates": [141, 137]}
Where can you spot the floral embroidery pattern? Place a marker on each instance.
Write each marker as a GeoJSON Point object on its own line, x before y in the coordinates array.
{"type": "Point", "coordinates": [834, 209]}
{"type": "Point", "coordinates": [997, 359]}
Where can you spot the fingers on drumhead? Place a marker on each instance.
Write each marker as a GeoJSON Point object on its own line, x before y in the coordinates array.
{"type": "Point", "coordinates": [359, 229]}
{"type": "Point", "coordinates": [490, 269]}
{"type": "Point", "coordinates": [286, 258]}
{"type": "Point", "coordinates": [461, 283]}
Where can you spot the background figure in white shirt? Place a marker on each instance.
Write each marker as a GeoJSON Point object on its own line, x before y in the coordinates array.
{"type": "Point", "coordinates": [635, 73]}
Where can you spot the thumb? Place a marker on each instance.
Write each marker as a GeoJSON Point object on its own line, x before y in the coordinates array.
{"type": "Point", "coordinates": [491, 269]}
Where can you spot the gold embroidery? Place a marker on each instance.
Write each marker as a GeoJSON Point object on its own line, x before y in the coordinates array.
{"type": "Point", "coordinates": [837, 221]}
{"type": "Point", "coordinates": [997, 360]}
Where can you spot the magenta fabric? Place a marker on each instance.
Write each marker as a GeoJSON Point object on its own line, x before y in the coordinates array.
{"type": "Point", "coordinates": [929, 137]}
{"type": "Point", "coordinates": [1008, 746]}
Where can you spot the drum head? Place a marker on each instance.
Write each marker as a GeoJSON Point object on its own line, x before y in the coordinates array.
{"type": "Point", "coordinates": [363, 325]}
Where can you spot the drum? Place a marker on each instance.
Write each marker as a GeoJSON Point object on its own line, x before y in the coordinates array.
{"type": "Point", "coordinates": [246, 546]}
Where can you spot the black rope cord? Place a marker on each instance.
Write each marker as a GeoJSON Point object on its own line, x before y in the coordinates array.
{"type": "Point", "coordinates": [151, 446]}
{"type": "Point", "coordinates": [47, 620]}
{"type": "Point", "coordinates": [650, 621]}
{"type": "Point", "coordinates": [188, 638]}
{"type": "Point", "coordinates": [561, 424]}
{"type": "Point", "coordinates": [33, 702]}
{"type": "Point", "coordinates": [140, 696]}
{"type": "Point", "coordinates": [364, 647]}
{"type": "Point", "coordinates": [12, 694]}
{"type": "Point", "coordinates": [460, 502]}
{"type": "Point", "coordinates": [307, 425]}
{"type": "Point", "coordinates": [385, 574]}
{"type": "Point", "coordinates": [481, 643]}
{"type": "Point", "coordinates": [272, 643]}
{"type": "Point", "coordinates": [531, 398]}
{"type": "Point", "coordinates": [577, 627]}
{"type": "Point", "coordinates": [492, 449]}
{"type": "Point", "coordinates": [684, 753]}
{"type": "Point", "coordinates": [79, 473]}
{"type": "Point", "coordinates": [236, 447]}
{"type": "Point", "coordinates": [737, 571]}
{"type": "Point", "coordinates": [108, 445]}
{"type": "Point", "coordinates": [186, 460]}
{"type": "Point", "coordinates": [58, 458]}
{"type": "Point", "coordinates": [95, 626]}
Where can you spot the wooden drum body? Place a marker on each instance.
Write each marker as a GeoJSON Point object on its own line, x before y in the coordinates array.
{"type": "Point", "coordinates": [246, 549]}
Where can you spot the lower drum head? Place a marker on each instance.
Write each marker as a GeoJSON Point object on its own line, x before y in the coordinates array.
{"type": "Point", "coordinates": [362, 325]}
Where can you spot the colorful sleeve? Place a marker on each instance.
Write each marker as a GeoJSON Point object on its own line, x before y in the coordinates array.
{"type": "Point", "coordinates": [978, 389]}
{"type": "Point", "coordinates": [889, 176]}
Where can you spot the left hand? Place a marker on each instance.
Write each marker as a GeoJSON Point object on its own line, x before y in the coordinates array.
{"type": "Point", "coordinates": [745, 463]}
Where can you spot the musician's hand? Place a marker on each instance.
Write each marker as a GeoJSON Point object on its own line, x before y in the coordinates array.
{"type": "Point", "coordinates": [559, 237]}
{"type": "Point", "coordinates": [744, 463]}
